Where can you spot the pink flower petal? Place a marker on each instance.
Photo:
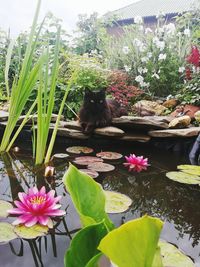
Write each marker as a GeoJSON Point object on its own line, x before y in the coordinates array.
{"type": "Point", "coordinates": [43, 220]}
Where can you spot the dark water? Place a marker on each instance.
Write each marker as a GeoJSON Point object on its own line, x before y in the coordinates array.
{"type": "Point", "coordinates": [152, 193]}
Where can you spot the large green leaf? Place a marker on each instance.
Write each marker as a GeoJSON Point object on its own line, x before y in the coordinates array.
{"type": "Point", "coordinates": [6, 232]}
{"type": "Point", "coordinates": [83, 248]}
{"type": "Point", "coordinates": [88, 197]}
{"type": "Point", "coordinates": [191, 169]}
{"type": "Point", "coordinates": [4, 207]}
{"type": "Point", "coordinates": [184, 178]}
{"type": "Point", "coordinates": [173, 257]}
{"type": "Point", "coordinates": [134, 243]}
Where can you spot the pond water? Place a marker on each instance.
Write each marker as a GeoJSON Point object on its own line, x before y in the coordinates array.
{"type": "Point", "coordinates": [152, 193]}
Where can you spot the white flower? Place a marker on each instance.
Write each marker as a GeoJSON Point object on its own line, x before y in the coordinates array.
{"type": "Point", "coordinates": [145, 70]}
{"type": "Point", "coordinates": [187, 32]}
{"type": "Point", "coordinates": [140, 70]}
{"type": "Point", "coordinates": [179, 34]}
{"type": "Point", "coordinates": [144, 59]}
{"type": "Point", "coordinates": [141, 28]}
{"type": "Point", "coordinates": [144, 84]}
{"type": "Point", "coordinates": [181, 69]}
{"type": "Point", "coordinates": [138, 20]}
{"type": "Point", "coordinates": [149, 55]}
{"type": "Point", "coordinates": [156, 76]}
{"type": "Point", "coordinates": [139, 79]}
{"type": "Point", "coordinates": [159, 44]}
{"type": "Point", "coordinates": [148, 30]}
{"type": "Point", "coordinates": [162, 57]}
{"type": "Point", "coordinates": [170, 28]}
{"type": "Point", "coordinates": [137, 42]}
{"type": "Point", "coordinates": [127, 68]}
{"type": "Point", "coordinates": [125, 50]}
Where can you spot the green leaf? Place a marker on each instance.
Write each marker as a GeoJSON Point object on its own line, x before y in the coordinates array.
{"type": "Point", "coordinates": [94, 261]}
{"type": "Point", "coordinates": [173, 257]}
{"type": "Point", "coordinates": [4, 206]}
{"type": "Point", "coordinates": [83, 248]}
{"type": "Point", "coordinates": [191, 169]}
{"type": "Point", "coordinates": [134, 243]}
{"type": "Point", "coordinates": [6, 232]}
{"type": "Point", "coordinates": [88, 197]}
{"type": "Point", "coordinates": [31, 232]}
{"type": "Point", "coordinates": [183, 178]}
{"type": "Point", "coordinates": [157, 260]}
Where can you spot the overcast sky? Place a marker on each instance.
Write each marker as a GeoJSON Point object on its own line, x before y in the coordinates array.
{"type": "Point", "coordinates": [17, 14]}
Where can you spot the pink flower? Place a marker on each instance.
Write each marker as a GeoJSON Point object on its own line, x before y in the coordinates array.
{"type": "Point", "coordinates": [135, 163]}
{"type": "Point", "coordinates": [36, 207]}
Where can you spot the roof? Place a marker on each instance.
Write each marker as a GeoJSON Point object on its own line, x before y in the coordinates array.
{"type": "Point", "coordinates": [148, 8]}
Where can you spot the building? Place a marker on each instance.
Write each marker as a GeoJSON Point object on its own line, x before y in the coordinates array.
{"type": "Point", "coordinates": [148, 10]}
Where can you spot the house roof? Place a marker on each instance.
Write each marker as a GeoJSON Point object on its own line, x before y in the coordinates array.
{"type": "Point", "coordinates": [148, 8]}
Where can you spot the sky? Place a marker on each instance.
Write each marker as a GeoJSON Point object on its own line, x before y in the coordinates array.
{"type": "Point", "coordinates": [17, 15]}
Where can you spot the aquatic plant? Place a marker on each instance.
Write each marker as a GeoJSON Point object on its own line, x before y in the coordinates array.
{"type": "Point", "coordinates": [24, 83]}
{"type": "Point", "coordinates": [136, 163]}
{"type": "Point", "coordinates": [36, 206]}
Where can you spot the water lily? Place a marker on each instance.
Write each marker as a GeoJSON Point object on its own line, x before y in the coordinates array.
{"type": "Point", "coordinates": [136, 163]}
{"type": "Point", "coordinates": [36, 206]}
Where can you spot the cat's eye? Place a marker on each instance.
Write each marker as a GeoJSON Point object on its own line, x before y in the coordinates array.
{"type": "Point", "coordinates": [91, 101]}
{"type": "Point", "coordinates": [101, 101]}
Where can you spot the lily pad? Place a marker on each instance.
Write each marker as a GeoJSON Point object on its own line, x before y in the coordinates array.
{"type": "Point", "coordinates": [192, 169]}
{"type": "Point", "coordinates": [79, 150]}
{"type": "Point", "coordinates": [101, 167]}
{"type": "Point", "coordinates": [173, 257]}
{"type": "Point", "coordinates": [86, 160]}
{"type": "Point", "coordinates": [91, 173]}
{"type": "Point", "coordinates": [31, 232]}
{"type": "Point", "coordinates": [4, 206]}
{"type": "Point", "coordinates": [6, 232]}
{"type": "Point", "coordinates": [184, 178]}
{"type": "Point", "coordinates": [116, 202]}
{"type": "Point", "coordinates": [60, 156]}
{"type": "Point", "coordinates": [109, 155]}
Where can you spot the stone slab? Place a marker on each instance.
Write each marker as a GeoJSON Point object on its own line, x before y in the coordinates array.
{"type": "Point", "coordinates": [3, 115]}
{"type": "Point", "coordinates": [143, 122]}
{"type": "Point", "coordinates": [188, 132]}
{"type": "Point", "coordinates": [71, 133]}
{"type": "Point", "coordinates": [135, 137]}
{"type": "Point", "coordinates": [73, 125]}
{"type": "Point", "coordinates": [109, 131]}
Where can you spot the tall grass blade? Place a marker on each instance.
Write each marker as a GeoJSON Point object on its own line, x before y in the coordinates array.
{"type": "Point", "coordinates": [8, 59]}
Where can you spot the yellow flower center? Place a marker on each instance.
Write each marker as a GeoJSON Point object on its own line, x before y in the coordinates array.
{"type": "Point", "coordinates": [37, 199]}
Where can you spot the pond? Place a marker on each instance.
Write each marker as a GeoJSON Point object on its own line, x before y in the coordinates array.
{"type": "Point", "coordinates": [152, 193]}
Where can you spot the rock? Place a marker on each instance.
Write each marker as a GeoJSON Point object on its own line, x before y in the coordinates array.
{"type": "Point", "coordinates": [189, 132]}
{"type": "Point", "coordinates": [73, 125]}
{"type": "Point", "coordinates": [171, 103]}
{"type": "Point", "coordinates": [189, 110]}
{"type": "Point", "coordinates": [3, 115]}
{"type": "Point", "coordinates": [180, 122]}
{"type": "Point", "coordinates": [71, 133]}
{"type": "Point", "coordinates": [148, 108]}
{"type": "Point", "coordinates": [141, 122]}
{"type": "Point", "coordinates": [109, 131]}
{"type": "Point", "coordinates": [197, 116]}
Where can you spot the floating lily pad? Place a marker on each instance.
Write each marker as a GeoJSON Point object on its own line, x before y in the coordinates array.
{"type": "Point", "coordinates": [4, 206]}
{"type": "Point", "coordinates": [109, 155]}
{"type": "Point", "coordinates": [116, 202]}
{"type": "Point", "coordinates": [91, 173]}
{"type": "Point", "coordinates": [173, 257]}
{"type": "Point", "coordinates": [79, 150]}
{"type": "Point", "coordinates": [31, 232]}
{"type": "Point", "coordinates": [6, 232]}
{"type": "Point", "coordinates": [184, 178]}
{"type": "Point", "coordinates": [192, 169]}
{"type": "Point", "coordinates": [86, 160]}
{"type": "Point", "coordinates": [101, 167]}
{"type": "Point", "coordinates": [60, 156]}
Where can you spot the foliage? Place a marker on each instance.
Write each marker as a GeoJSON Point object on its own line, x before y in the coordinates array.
{"type": "Point", "coordinates": [90, 34]}
{"type": "Point", "coordinates": [154, 58]}
{"type": "Point", "coordinates": [121, 89]}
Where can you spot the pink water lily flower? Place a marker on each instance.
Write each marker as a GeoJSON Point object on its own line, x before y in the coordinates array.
{"type": "Point", "coordinates": [135, 163]}
{"type": "Point", "coordinates": [36, 207]}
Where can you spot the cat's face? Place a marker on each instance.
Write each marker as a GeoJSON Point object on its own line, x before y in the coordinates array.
{"type": "Point", "coordinates": [95, 99]}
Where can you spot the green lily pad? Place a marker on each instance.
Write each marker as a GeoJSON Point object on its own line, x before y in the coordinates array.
{"type": "Point", "coordinates": [173, 257]}
{"type": "Point", "coordinates": [60, 156]}
{"type": "Point", "coordinates": [109, 155]}
{"type": "Point", "coordinates": [191, 169]}
{"type": "Point", "coordinates": [101, 167]}
{"type": "Point", "coordinates": [184, 178]}
{"type": "Point", "coordinates": [6, 232]}
{"type": "Point", "coordinates": [4, 206]}
{"type": "Point", "coordinates": [116, 202]}
{"type": "Point", "coordinates": [79, 150]}
{"type": "Point", "coordinates": [31, 232]}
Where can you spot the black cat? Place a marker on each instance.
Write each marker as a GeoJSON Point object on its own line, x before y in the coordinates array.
{"type": "Point", "coordinates": [97, 111]}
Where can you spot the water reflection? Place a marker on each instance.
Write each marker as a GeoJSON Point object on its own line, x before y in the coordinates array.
{"type": "Point", "coordinates": [151, 192]}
